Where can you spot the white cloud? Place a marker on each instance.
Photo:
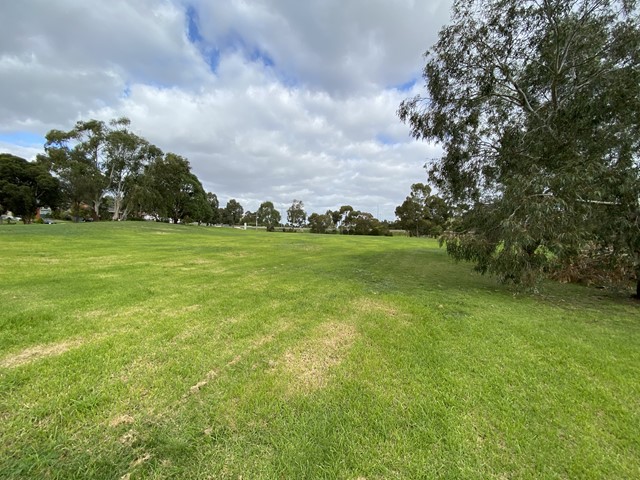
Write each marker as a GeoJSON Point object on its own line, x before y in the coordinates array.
{"type": "Point", "coordinates": [336, 45]}
{"type": "Point", "coordinates": [297, 104]}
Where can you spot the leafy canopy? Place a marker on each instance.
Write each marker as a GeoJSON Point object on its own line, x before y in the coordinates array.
{"type": "Point", "coordinates": [423, 213]}
{"type": "Point", "coordinates": [537, 107]}
{"type": "Point", "coordinates": [268, 215]}
{"type": "Point", "coordinates": [25, 186]}
{"type": "Point", "coordinates": [296, 216]}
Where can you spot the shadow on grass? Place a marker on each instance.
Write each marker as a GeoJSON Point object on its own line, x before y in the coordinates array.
{"type": "Point", "coordinates": [423, 271]}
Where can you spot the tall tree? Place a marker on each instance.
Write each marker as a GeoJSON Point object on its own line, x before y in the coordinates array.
{"type": "Point", "coordinates": [537, 107]}
{"type": "Point", "coordinates": [233, 212]}
{"type": "Point", "coordinates": [250, 218]}
{"type": "Point", "coordinates": [95, 159]}
{"type": "Point", "coordinates": [423, 213]}
{"type": "Point", "coordinates": [296, 216]}
{"type": "Point", "coordinates": [340, 218]}
{"type": "Point", "coordinates": [77, 157]}
{"type": "Point", "coordinates": [212, 198]}
{"type": "Point", "coordinates": [126, 154]}
{"type": "Point", "coordinates": [26, 186]}
{"type": "Point", "coordinates": [361, 223]}
{"type": "Point", "coordinates": [268, 215]}
{"type": "Point", "coordinates": [174, 191]}
{"type": "Point", "coordinates": [320, 223]}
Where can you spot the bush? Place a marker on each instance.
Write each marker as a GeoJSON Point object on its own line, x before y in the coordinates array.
{"type": "Point", "coordinates": [596, 266]}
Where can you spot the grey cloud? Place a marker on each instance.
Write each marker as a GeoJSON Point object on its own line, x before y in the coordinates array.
{"type": "Point", "coordinates": [333, 45]}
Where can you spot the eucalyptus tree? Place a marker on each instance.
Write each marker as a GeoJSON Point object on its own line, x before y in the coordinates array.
{"type": "Point", "coordinates": [76, 157]}
{"type": "Point", "coordinates": [126, 155]}
{"type": "Point", "coordinates": [340, 218]}
{"type": "Point", "coordinates": [95, 158]}
{"type": "Point", "coordinates": [268, 215]}
{"type": "Point", "coordinates": [26, 186]}
{"type": "Point", "coordinates": [423, 213]}
{"type": "Point", "coordinates": [233, 212]}
{"type": "Point", "coordinates": [537, 107]}
{"type": "Point", "coordinates": [174, 191]}
{"type": "Point", "coordinates": [321, 223]}
{"type": "Point", "coordinates": [214, 204]}
{"type": "Point", "coordinates": [296, 216]}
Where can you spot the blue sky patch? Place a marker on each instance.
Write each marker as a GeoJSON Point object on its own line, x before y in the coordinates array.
{"type": "Point", "coordinates": [261, 56]}
{"type": "Point", "coordinates": [193, 30]}
{"type": "Point", "coordinates": [232, 42]}
{"type": "Point", "coordinates": [385, 139]}
{"type": "Point", "coordinates": [210, 54]}
{"type": "Point", "coordinates": [24, 139]}
{"type": "Point", "coordinates": [406, 86]}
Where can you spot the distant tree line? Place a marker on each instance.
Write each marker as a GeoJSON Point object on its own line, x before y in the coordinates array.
{"type": "Point", "coordinates": [104, 171]}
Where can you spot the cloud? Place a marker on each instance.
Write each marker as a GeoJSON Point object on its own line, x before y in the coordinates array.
{"type": "Point", "coordinates": [337, 46]}
{"type": "Point", "coordinates": [269, 100]}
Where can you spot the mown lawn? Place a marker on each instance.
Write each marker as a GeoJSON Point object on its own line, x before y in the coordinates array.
{"type": "Point", "coordinates": [142, 350]}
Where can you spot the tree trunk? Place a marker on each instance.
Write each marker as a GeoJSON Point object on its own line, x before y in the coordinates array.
{"type": "Point", "coordinates": [116, 209]}
{"type": "Point", "coordinates": [96, 208]}
{"type": "Point", "coordinates": [637, 275]}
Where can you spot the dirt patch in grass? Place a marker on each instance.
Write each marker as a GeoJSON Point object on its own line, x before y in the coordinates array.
{"type": "Point", "coordinates": [207, 378]}
{"type": "Point", "coordinates": [121, 420]}
{"type": "Point", "coordinates": [37, 352]}
{"type": "Point", "coordinates": [140, 460]}
{"type": "Point", "coordinates": [128, 438]}
{"type": "Point", "coordinates": [310, 362]}
{"type": "Point", "coordinates": [380, 307]}
{"type": "Point", "coordinates": [374, 305]}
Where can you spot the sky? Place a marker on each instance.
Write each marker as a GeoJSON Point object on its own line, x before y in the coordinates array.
{"type": "Point", "coordinates": [268, 99]}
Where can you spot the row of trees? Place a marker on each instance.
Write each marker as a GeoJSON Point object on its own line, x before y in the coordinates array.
{"type": "Point", "coordinates": [345, 220]}
{"type": "Point", "coordinates": [106, 171]}
{"type": "Point", "coordinates": [117, 173]}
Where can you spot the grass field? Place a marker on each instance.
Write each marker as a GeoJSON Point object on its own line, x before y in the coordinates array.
{"type": "Point", "coordinates": [143, 350]}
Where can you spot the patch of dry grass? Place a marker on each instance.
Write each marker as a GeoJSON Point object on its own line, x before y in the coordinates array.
{"type": "Point", "coordinates": [309, 363]}
{"type": "Point", "coordinates": [37, 352]}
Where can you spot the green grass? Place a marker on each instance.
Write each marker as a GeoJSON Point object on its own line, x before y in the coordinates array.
{"type": "Point", "coordinates": [142, 350]}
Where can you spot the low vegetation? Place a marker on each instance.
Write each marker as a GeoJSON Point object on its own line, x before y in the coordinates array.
{"type": "Point", "coordinates": [149, 350]}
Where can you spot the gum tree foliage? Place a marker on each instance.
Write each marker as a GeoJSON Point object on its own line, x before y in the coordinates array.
{"type": "Point", "coordinates": [233, 212]}
{"type": "Point", "coordinates": [537, 107]}
{"type": "Point", "coordinates": [75, 157]}
{"type": "Point", "coordinates": [321, 223]}
{"type": "Point", "coordinates": [296, 216]}
{"type": "Point", "coordinates": [25, 186]}
{"type": "Point", "coordinates": [173, 191]}
{"type": "Point", "coordinates": [340, 218]}
{"type": "Point", "coordinates": [95, 159]}
{"type": "Point", "coordinates": [363, 223]}
{"type": "Point", "coordinates": [423, 213]}
{"type": "Point", "coordinates": [214, 203]}
{"type": "Point", "coordinates": [268, 215]}
{"type": "Point", "coordinates": [126, 155]}
{"type": "Point", "coordinates": [249, 217]}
